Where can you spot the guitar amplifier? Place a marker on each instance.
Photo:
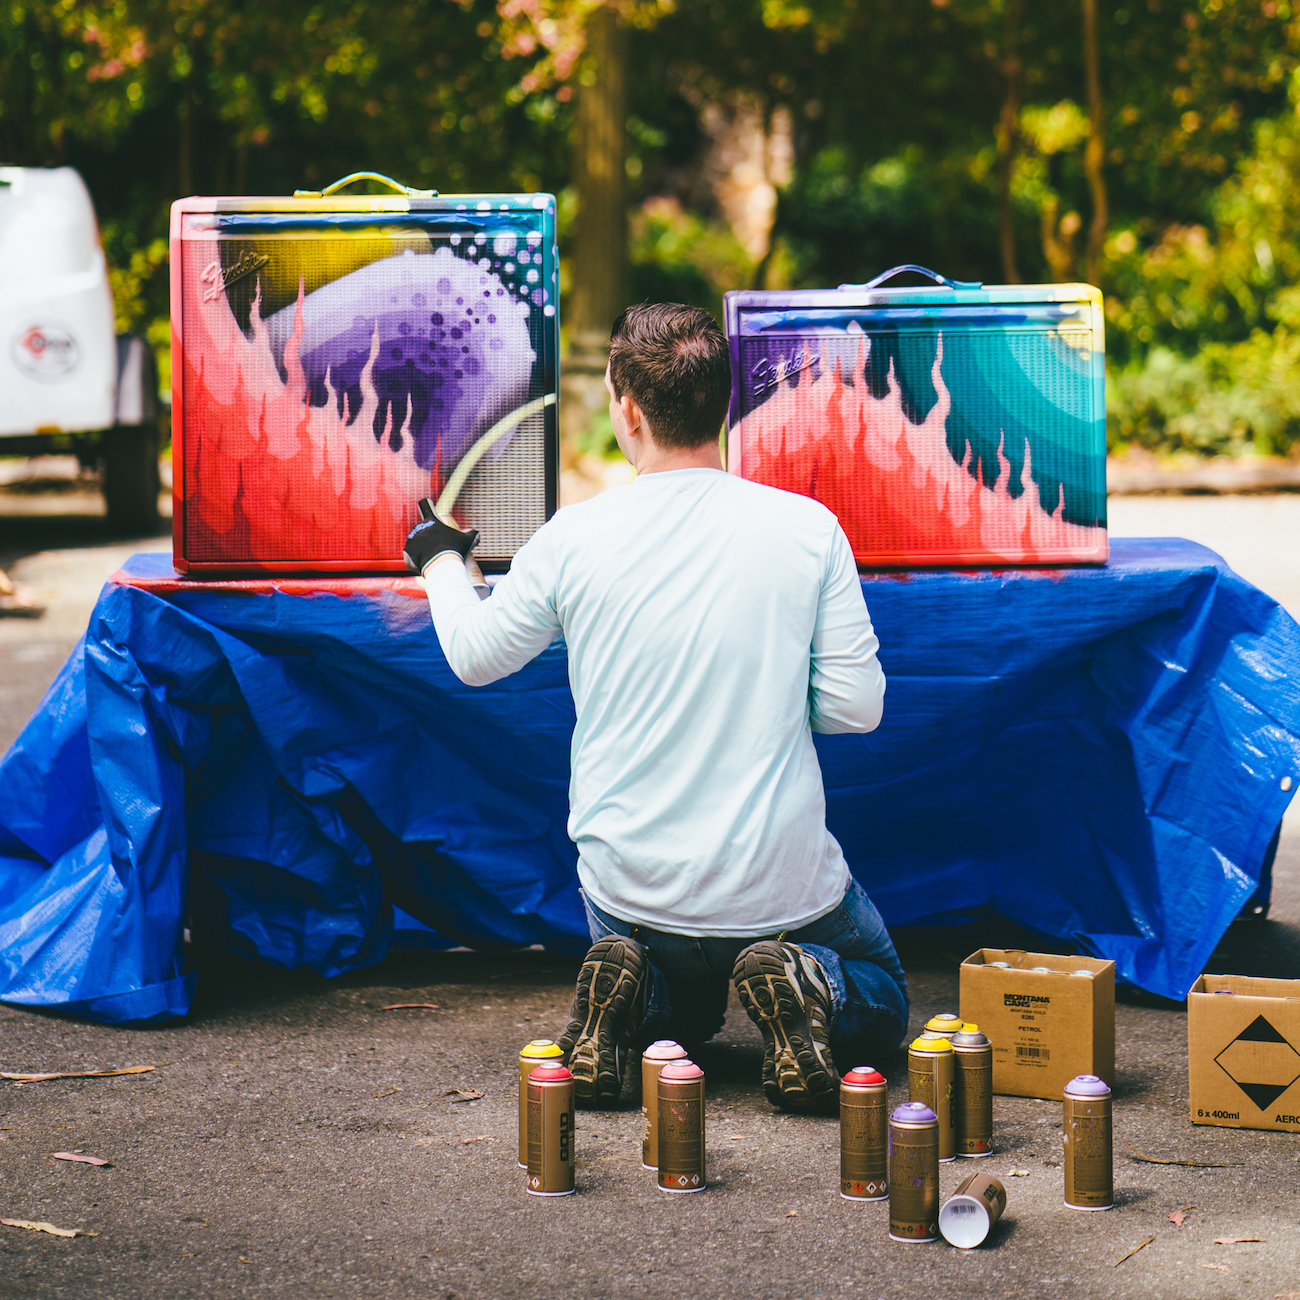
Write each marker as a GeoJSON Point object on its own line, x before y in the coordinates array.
{"type": "Point", "coordinates": [946, 426]}
{"type": "Point", "coordinates": [335, 359]}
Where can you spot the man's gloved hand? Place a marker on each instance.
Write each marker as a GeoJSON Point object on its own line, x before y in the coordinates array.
{"type": "Point", "coordinates": [432, 537]}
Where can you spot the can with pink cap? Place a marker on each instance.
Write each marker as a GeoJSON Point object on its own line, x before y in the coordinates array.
{"type": "Point", "coordinates": [653, 1059]}
{"type": "Point", "coordinates": [1086, 1135]}
{"type": "Point", "coordinates": [681, 1127]}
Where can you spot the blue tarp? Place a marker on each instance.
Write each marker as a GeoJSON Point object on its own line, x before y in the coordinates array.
{"type": "Point", "coordinates": [1100, 754]}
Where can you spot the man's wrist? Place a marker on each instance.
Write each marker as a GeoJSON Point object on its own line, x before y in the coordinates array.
{"type": "Point", "coordinates": [439, 558]}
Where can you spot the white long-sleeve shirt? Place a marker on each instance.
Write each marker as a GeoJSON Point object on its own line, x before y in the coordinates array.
{"type": "Point", "coordinates": [712, 625]}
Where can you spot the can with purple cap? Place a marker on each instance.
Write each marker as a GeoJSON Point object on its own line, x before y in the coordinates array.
{"type": "Point", "coordinates": [913, 1173]}
{"type": "Point", "coordinates": [1086, 1135]}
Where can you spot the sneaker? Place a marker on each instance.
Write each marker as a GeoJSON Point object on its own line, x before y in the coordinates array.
{"type": "Point", "coordinates": [608, 1007]}
{"type": "Point", "coordinates": [786, 994]}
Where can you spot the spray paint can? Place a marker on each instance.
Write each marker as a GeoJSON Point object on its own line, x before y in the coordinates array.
{"type": "Point", "coordinates": [973, 1057]}
{"type": "Point", "coordinates": [653, 1059]}
{"type": "Point", "coordinates": [968, 1215]}
{"type": "Point", "coordinates": [550, 1131]}
{"type": "Point", "coordinates": [931, 1080]}
{"type": "Point", "coordinates": [681, 1127]}
{"type": "Point", "coordinates": [913, 1173]}
{"type": "Point", "coordinates": [1086, 1134]}
{"type": "Point", "coordinates": [541, 1051]}
{"type": "Point", "coordinates": [945, 1023]}
{"type": "Point", "coordinates": [864, 1135]}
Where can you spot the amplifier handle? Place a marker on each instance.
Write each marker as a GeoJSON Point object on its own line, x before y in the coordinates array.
{"type": "Point", "coordinates": [919, 270]}
{"type": "Point", "coordinates": [396, 186]}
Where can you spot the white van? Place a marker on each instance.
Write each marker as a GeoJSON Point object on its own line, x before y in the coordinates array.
{"type": "Point", "coordinates": [68, 383]}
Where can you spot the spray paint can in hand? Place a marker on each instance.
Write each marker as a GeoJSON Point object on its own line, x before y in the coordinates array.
{"type": "Point", "coordinates": [550, 1131]}
{"type": "Point", "coordinates": [653, 1059]}
{"type": "Point", "coordinates": [1086, 1135]}
{"type": "Point", "coordinates": [913, 1173]}
{"type": "Point", "coordinates": [931, 1080]}
{"type": "Point", "coordinates": [944, 1023]}
{"type": "Point", "coordinates": [681, 1127]}
{"type": "Point", "coordinates": [973, 1057]}
{"type": "Point", "coordinates": [864, 1135]}
{"type": "Point", "coordinates": [541, 1051]}
{"type": "Point", "coordinates": [968, 1215]}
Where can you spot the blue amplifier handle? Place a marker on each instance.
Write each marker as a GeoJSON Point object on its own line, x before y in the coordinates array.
{"type": "Point", "coordinates": [920, 270]}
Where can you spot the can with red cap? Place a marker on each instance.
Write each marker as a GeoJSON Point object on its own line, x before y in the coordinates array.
{"type": "Point", "coordinates": [653, 1059]}
{"type": "Point", "coordinates": [864, 1135]}
{"type": "Point", "coordinates": [914, 1173]}
{"type": "Point", "coordinates": [1086, 1135]}
{"type": "Point", "coordinates": [550, 1131]}
{"type": "Point", "coordinates": [681, 1127]}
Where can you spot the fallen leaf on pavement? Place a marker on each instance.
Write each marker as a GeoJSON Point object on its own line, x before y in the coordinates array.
{"type": "Point", "coordinates": [412, 1006]}
{"type": "Point", "coordinates": [1283, 1295]}
{"type": "Point", "coordinates": [48, 1227]}
{"type": "Point", "coordinates": [78, 1074]}
{"type": "Point", "coordinates": [78, 1157]}
{"type": "Point", "coordinates": [458, 1095]}
{"type": "Point", "coordinates": [1221, 1268]}
{"type": "Point", "coordinates": [485, 1138]}
{"type": "Point", "coordinates": [794, 1214]}
{"type": "Point", "coordinates": [1140, 1246]}
{"type": "Point", "coordinates": [1191, 1164]}
{"type": "Point", "coordinates": [1017, 1173]}
{"type": "Point", "coordinates": [736, 1137]}
{"type": "Point", "coordinates": [389, 1093]}
{"type": "Point", "coordinates": [1179, 1217]}
{"type": "Point", "coordinates": [1235, 1241]}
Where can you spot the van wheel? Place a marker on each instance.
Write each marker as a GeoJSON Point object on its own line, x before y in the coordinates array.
{"type": "Point", "coordinates": [131, 482]}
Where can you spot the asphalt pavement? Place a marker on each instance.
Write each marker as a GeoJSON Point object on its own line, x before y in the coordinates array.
{"type": "Point", "coordinates": [297, 1138]}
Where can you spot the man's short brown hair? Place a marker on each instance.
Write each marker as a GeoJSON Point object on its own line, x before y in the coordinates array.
{"type": "Point", "coordinates": [673, 362]}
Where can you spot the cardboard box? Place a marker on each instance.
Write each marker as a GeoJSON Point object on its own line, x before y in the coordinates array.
{"type": "Point", "coordinates": [1045, 1026]}
{"type": "Point", "coordinates": [1243, 1052]}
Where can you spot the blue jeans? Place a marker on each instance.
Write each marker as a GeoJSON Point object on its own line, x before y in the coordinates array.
{"type": "Point", "coordinates": [690, 978]}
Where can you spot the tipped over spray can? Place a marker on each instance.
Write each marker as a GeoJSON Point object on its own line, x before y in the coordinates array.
{"type": "Point", "coordinates": [681, 1127]}
{"type": "Point", "coordinates": [653, 1059]}
{"type": "Point", "coordinates": [973, 1057]}
{"type": "Point", "coordinates": [1086, 1135]}
{"type": "Point", "coordinates": [541, 1051]}
{"type": "Point", "coordinates": [550, 1131]}
{"type": "Point", "coordinates": [931, 1080]}
{"type": "Point", "coordinates": [864, 1135]}
{"type": "Point", "coordinates": [967, 1217]}
{"type": "Point", "coordinates": [913, 1173]}
{"type": "Point", "coordinates": [944, 1023]}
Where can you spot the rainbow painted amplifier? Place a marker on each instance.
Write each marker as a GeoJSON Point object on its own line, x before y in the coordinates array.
{"type": "Point", "coordinates": [946, 426]}
{"type": "Point", "coordinates": [335, 359]}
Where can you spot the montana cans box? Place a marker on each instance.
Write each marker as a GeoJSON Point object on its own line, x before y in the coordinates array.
{"type": "Point", "coordinates": [1243, 1052]}
{"type": "Point", "coordinates": [946, 426]}
{"type": "Point", "coordinates": [1049, 1018]}
{"type": "Point", "coordinates": [337, 359]}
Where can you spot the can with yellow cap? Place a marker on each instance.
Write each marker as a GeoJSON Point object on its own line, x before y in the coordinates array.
{"type": "Point", "coordinates": [973, 1058]}
{"type": "Point", "coordinates": [541, 1051]}
{"type": "Point", "coordinates": [944, 1023]}
{"type": "Point", "coordinates": [931, 1080]}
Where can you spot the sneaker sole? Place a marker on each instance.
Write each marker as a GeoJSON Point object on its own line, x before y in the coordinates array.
{"type": "Point", "coordinates": [606, 990]}
{"type": "Point", "coordinates": [798, 1077]}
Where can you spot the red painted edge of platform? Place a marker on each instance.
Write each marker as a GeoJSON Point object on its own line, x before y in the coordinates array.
{"type": "Point", "coordinates": [409, 586]}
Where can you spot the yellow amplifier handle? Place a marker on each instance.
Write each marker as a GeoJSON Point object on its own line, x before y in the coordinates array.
{"type": "Point", "coordinates": [396, 186]}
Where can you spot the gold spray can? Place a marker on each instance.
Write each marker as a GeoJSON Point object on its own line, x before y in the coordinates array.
{"type": "Point", "coordinates": [913, 1173]}
{"type": "Point", "coordinates": [541, 1051]}
{"type": "Point", "coordinates": [550, 1131]}
{"type": "Point", "coordinates": [931, 1080]}
{"type": "Point", "coordinates": [944, 1023]}
{"type": "Point", "coordinates": [864, 1135]}
{"type": "Point", "coordinates": [973, 1057]}
{"type": "Point", "coordinates": [1086, 1135]}
{"type": "Point", "coordinates": [681, 1127]}
{"type": "Point", "coordinates": [653, 1059]}
{"type": "Point", "coordinates": [967, 1217]}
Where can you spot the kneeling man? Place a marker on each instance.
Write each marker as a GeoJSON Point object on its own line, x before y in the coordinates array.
{"type": "Point", "coordinates": [712, 626]}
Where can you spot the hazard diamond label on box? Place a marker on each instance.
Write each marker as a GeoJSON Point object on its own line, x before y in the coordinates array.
{"type": "Point", "coordinates": [1261, 1062]}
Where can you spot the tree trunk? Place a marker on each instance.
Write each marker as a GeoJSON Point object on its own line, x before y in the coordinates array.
{"type": "Point", "coordinates": [1008, 138]}
{"type": "Point", "coordinates": [600, 238]}
{"type": "Point", "coordinates": [1094, 152]}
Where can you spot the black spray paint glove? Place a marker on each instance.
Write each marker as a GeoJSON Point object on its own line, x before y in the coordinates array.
{"type": "Point", "coordinates": [433, 537]}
